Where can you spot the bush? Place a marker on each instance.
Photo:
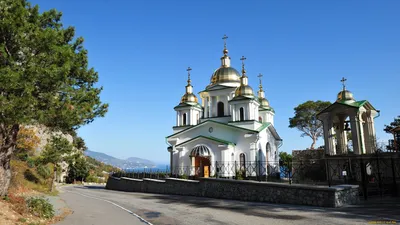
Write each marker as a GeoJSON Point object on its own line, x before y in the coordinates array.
{"type": "Point", "coordinates": [92, 179]}
{"type": "Point", "coordinates": [40, 207]}
{"type": "Point", "coordinates": [31, 162]}
{"type": "Point", "coordinates": [44, 171]}
{"type": "Point", "coordinates": [23, 156]}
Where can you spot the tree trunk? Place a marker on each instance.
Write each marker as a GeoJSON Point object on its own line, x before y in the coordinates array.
{"type": "Point", "coordinates": [54, 179]}
{"type": "Point", "coordinates": [5, 174]}
{"type": "Point", "coordinates": [313, 143]}
{"type": "Point", "coordinates": [7, 147]}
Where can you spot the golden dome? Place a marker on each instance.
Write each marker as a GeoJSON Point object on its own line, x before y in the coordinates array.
{"type": "Point", "coordinates": [225, 75]}
{"type": "Point", "coordinates": [264, 103]}
{"type": "Point", "coordinates": [189, 97]}
{"type": "Point", "coordinates": [244, 90]}
{"type": "Point", "coordinates": [345, 95]}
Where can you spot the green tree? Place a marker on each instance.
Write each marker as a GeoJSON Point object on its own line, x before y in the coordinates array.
{"type": "Point", "coordinates": [44, 77]}
{"type": "Point", "coordinates": [286, 160]}
{"type": "Point", "coordinates": [56, 151]}
{"type": "Point", "coordinates": [78, 168]}
{"type": "Point", "coordinates": [388, 129]}
{"type": "Point", "coordinates": [305, 119]}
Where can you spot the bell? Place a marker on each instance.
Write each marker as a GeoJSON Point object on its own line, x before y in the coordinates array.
{"type": "Point", "coordinates": [346, 126]}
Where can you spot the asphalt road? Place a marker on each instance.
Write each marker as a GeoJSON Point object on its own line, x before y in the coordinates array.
{"type": "Point", "coordinates": [95, 205]}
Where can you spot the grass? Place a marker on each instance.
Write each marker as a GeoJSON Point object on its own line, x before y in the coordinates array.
{"type": "Point", "coordinates": [28, 178]}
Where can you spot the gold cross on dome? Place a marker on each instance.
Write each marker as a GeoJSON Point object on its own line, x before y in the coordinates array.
{"type": "Point", "coordinates": [188, 70]}
{"type": "Point", "coordinates": [243, 59]}
{"type": "Point", "coordinates": [343, 80]}
{"type": "Point", "coordinates": [260, 76]}
{"type": "Point", "coordinates": [225, 37]}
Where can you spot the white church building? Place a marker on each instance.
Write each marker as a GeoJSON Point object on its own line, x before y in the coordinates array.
{"type": "Point", "coordinates": [231, 129]}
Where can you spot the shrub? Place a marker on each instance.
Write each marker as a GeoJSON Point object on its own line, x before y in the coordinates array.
{"type": "Point", "coordinates": [40, 207]}
{"type": "Point", "coordinates": [44, 171]}
{"type": "Point", "coordinates": [92, 179]}
{"type": "Point", "coordinates": [31, 162]}
{"type": "Point", "coordinates": [23, 156]}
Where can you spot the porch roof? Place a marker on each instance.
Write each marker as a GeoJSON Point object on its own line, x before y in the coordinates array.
{"type": "Point", "coordinates": [208, 138]}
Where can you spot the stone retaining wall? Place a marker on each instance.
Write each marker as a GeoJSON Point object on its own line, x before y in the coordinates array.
{"type": "Point", "coordinates": [244, 190]}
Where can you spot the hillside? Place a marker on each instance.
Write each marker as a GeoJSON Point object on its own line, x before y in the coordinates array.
{"type": "Point", "coordinates": [130, 163]}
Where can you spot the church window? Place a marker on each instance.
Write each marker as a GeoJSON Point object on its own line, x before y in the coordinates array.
{"type": "Point", "coordinates": [241, 114]}
{"type": "Point", "coordinates": [184, 119]}
{"type": "Point", "coordinates": [268, 148]}
{"type": "Point", "coordinates": [260, 119]}
{"type": "Point", "coordinates": [220, 109]}
{"type": "Point", "coordinates": [242, 160]}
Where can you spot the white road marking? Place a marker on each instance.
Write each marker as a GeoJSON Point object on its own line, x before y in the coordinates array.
{"type": "Point", "coordinates": [127, 210]}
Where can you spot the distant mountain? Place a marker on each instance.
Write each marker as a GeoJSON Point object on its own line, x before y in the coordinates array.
{"type": "Point", "coordinates": [130, 163]}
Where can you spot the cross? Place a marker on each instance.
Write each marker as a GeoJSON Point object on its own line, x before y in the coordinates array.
{"type": "Point", "coordinates": [260, 76]}
{"type": "Point", "coordinates": [188, 70]}
{"type": "Point", "coordinates": [343, 80]}
{"type": "Point", "coordinates": [243, 58]}
{"type": "Point", "coordinates": [225, 37]}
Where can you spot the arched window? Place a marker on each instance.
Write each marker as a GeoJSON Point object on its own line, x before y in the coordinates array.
{"type": "Point", "coordinates": [268, 152]}
{"type": "Point", "coordinates": [198, 119]}
{"type": "Point", "coordinates": [260, 119]}
{"type": "Point", "coordinates": [184, 119]}
{"type": "Point", "coordinates": [241, 114]}
{"type": "Point", "coordinates": [242, 160]}
{"type": "Point", "coordinates": [220, 109]}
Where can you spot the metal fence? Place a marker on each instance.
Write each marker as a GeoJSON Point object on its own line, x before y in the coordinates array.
{"type": "Point", "coordinates": [377, 174]}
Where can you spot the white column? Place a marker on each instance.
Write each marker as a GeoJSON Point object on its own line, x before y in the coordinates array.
{"type": "Point", "coordinates": [205, 107]}
{"type": "Point", "coordinates": [191, 117]}
{"type": "Point", "coordinates": [369, 130]}
{"type": "Point", "coordinates": [210, 107]}
{"type": "Point", "coordinates": [328, 136]}
{"type": "Point", "coordinates": [247, 115]}
{"type": "Point", "coordinates": [341, 136]}
{"type": "Point", "coordinates": [233, 108]}
{"type": "Point", "coordinates": [357, 134]}
{"type": "Point", "coordinates": [177, 118]}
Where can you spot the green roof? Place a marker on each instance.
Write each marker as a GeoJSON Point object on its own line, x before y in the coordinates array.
{"type": "Point", "coordinates": [357, 104]}
{"type": "Point", "coordinates": [263, 126]}
{"type": "Point", "coordinates": [212, 121]}
{"type": "Point", "coordinates": [209, 138]}
{"type": "Point", "coordinates": [188, 104]}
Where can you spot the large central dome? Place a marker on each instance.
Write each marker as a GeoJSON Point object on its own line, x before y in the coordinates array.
{"type": "Point", "coordinates": [225, 75]}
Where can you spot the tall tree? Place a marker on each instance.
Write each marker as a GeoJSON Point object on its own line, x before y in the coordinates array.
{"type": "Point", "coordinates": [388, 129]}
{"type": "Point", "coordinates": [55, 152]}
{"type": "Point", "coordinates": [44, 77]}
{"type": "Point", "coordinates": [305, 119]}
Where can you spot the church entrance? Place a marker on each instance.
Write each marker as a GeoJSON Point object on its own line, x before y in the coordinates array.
{"type": "Point", "coordinates": [200, 156]}
{"type": "Point", "coordinates": [202, 165]}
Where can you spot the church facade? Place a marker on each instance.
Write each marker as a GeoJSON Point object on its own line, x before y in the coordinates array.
{"type": "Point", "coordinates": [231, 127]}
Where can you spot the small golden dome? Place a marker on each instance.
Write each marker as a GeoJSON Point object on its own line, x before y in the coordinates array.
{"type": "Point", "coordinates": [345, 95]}
{"type": "Point", "coordinates": [244, 90]}
{"type": "Point", "coordinates": [264, 103]}
{"type": "Point", "coordinates": [189, 97]}
{"type": "Point", "coordinates": [225, 75]}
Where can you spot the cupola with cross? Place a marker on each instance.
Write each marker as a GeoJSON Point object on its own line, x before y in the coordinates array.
{"type": "Point", "coordinates": [189, 110]}
{"type": "Point", "coordinates": [244, 102]}
{"type": "Point", "coordinates": [265, 111]}
{"type": "Point", "coordinates": [346, 116]}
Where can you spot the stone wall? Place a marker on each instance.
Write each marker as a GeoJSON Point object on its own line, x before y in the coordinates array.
{"type": "Point", "coordinates": [336, 196]}
{"type": "Point", "coordinates": [309, 166]}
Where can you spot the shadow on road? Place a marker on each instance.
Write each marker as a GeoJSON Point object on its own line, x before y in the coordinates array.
{"type": "Point", "coordinates": [373, 209]}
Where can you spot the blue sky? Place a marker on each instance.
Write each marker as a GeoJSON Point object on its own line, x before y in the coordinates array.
{"type": "Point", "coordinates": [141, 50]}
